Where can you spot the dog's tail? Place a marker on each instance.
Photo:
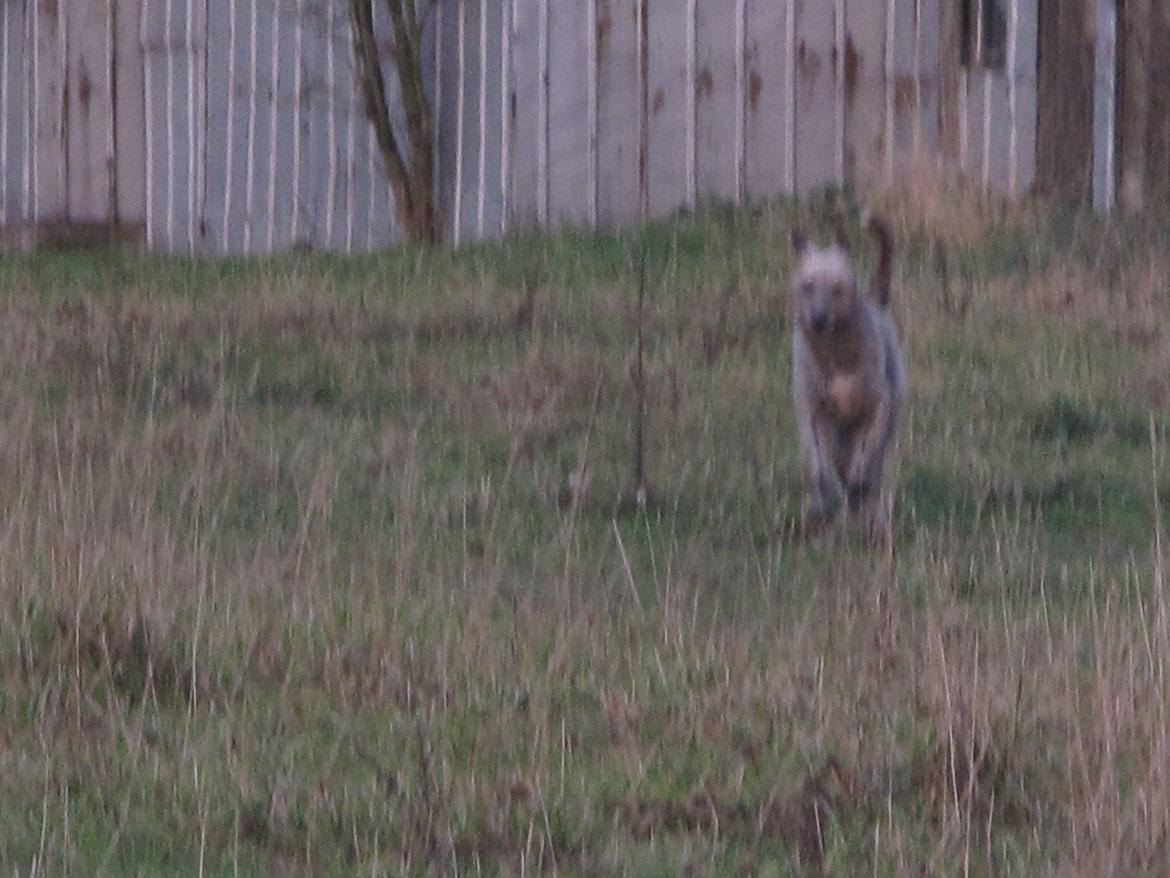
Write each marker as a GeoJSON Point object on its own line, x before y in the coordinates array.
{"type": "Point", "coordinates": [879, 289]}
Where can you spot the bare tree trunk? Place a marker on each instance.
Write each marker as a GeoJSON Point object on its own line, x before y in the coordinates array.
{"type": "Point", "coordinates": [409, 166]}
{"type": "Point", "coordinates": [1135, 102]}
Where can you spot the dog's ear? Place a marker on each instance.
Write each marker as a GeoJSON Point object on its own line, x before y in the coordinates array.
{"type": "Point", "coordinates": [799, 241]}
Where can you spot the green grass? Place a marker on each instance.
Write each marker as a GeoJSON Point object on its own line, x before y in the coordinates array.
{"type": "Point", "coordinates": [292, 581]}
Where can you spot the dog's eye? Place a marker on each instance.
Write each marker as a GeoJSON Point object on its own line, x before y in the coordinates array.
{"type": "Point", "coordinates": [838, 291]}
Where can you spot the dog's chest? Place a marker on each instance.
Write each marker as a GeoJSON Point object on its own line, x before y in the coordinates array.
{"type": "Point", "coordinates": [847, 396]}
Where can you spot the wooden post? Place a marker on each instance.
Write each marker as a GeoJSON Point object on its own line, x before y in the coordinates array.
{"type": "Point", "coordinates": [1135, 102]}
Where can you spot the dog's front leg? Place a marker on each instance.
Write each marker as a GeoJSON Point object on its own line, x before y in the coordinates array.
{"type": "Point", "coordinates": [823, 492]}
{"type": "Point", "coordinates": [867, 458]}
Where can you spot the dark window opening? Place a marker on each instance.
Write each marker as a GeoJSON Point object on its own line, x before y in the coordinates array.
{"type": "Point", "coordinates": [984, 42]}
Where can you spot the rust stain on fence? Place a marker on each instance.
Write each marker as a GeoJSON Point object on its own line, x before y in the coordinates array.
{"type": "Point", "coordinates": [852, 68]}
{"type": "Point", "coordinates": [704, 83]}
{"type": "Point", "coordinates": [809, 64]}
{"type": "Point", "coordinates": [604, 25]}
{"type": "Point", "coordinates": [755, 88]}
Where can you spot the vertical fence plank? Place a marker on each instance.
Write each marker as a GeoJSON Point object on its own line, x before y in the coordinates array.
{"type": "Point", "coordinates": [972, 89]}
{"type": "Point", "coordinates": [766, 123]}
{"type": "Point", "coordinates": [167, 48]}
{"type": "Point", "coordinates": [668, 92]}
{"type": "Point", "coordinates": [717, 100]}
{"type": "Point", "coordinates": [816, 136]}
{"type": "Point", "coordinates": [1024, 109]}
{"type": "Point", "coordinates": [6, 21]}
{"type": "Point", "coordinates": [28, 181]}
{"type": "Point", "coordinates": [204, 242]}
{"type": "Point", "coordinates": [15, 88]}
{"type": "Point", "coordinates": [318, 189]}
{"type": "Point", "coordinates": [525, 116]}
{"type": "Point", "coordinates": [273, 109]}
{"type": "Point", "coordinates": [300, 122]}
{"type": "Point", "coordinates": [950, 81]}
{"type": "Point", "coordinates": [1105, 108]}
{"type": "Point", "coordinates": [491, 207]}
{"type": "Point", "coordinates": [90, 112]}
{"type": "Point", "coordinates": [568, 108]}
{"type": "Point", "coordinates": [740, 98]}
{"type": "Point", "coordinates": [155, 121]}
{"type": "Point", "coordinates": [1158, 142]}
{"type": "Point", "coordinates": [468, 130]}
{"type": "Point", "coordinates": [452, 37]}
{"type": "Point", "coordinates": [347, 99]}
{"type": "Point", "coordinates": [865, 89]}
{"type": "Point", "coordinates": [219, 131]}
{"type": "Point", "coordinates": [927, 34]}
{"type": "Point", "coordinates": [285, 124]}
{"type": "Point", "coordinates": [252, 38]}
{"type": "Point", "coordinates": [193, 52]}
{"type": "Point", "coordinates": [838, 72]}
{"type": "Point", "coordinates": [507, 81]}
{"type": "Point", "coordinates": [691, 101]}
{"type": "Point", "coordinates": [996, 132]}
{"type": "Point", "coordinates": [49, 197]}
{"type": "Point", "coordinates": [481, 114]}
{"type": "Point", "coordinates": [904, 59]}
{"type": "Point", "coordinates": [618, 106]}
{"type": "Point", "coordinates": [226, 28]}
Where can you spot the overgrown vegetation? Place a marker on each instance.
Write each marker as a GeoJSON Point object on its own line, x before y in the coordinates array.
{"type": "Point", "coordinates": [319, 567]}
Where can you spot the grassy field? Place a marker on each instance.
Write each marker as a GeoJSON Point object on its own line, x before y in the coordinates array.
{"type": "Point", "coordinates": [294, 579]}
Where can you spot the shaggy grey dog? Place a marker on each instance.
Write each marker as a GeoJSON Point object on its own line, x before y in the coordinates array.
{"type": "Point", "coordinates": [848, 378]}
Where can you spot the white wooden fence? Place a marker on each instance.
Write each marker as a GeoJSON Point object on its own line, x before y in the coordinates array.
{"type": "Point", "coordinates": [230, 126]}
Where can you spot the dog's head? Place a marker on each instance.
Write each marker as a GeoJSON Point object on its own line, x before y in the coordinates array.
{"type": "Point", "coordinates": [824, 287]}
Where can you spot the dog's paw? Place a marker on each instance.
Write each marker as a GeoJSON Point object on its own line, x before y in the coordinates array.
{"type": "Point", "coordinates": [819, 510]}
